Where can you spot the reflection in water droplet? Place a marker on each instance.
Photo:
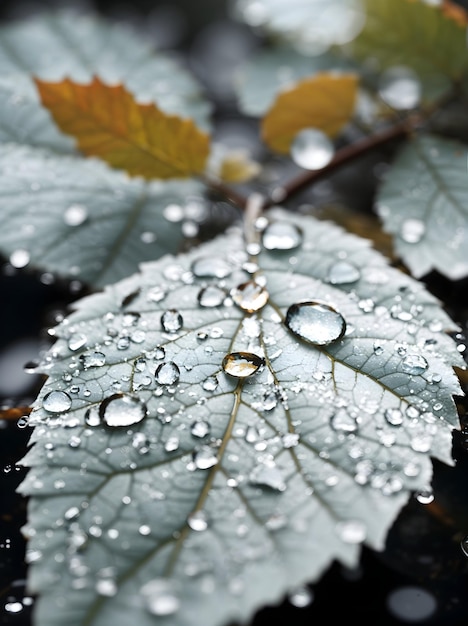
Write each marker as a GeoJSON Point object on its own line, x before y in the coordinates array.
{"type": "Point", "coordinates": [315, 322]}
{"type": "Point", "coordinates": [167, 373]}
{"type": "Point", "coordinates": [242, 364]}
{"type": "Point", "coordinates": [312, 149]}
{"type": "Point", "coordinates": [121, 410]}
{"type": "Point", "coordinates": [400, 88]}
{"type": "Point", "coordinates": [250, 296]}
{"type": "Point", "coordinates": [211, 296]}
{"type": "Point", "coordinates": [171, 321]}
{"type": "Point", "coordinates": [211, 267]}
{"type": "Point", "coordinates": [160, 597]}
{"type": "Point", "coordinates": [412, 230]}
{"type": "Point", "coordinates": [281, 235]}
{"type": "Point", "coordinates": [56, 402]}
{"type": "Point", "coordinates": [75, 215]}
{"type": "Point", "coordinates": [414, 364]}
{"type": "Point", "coordinates": [343, 273]}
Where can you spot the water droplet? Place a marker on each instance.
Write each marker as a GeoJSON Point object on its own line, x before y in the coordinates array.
{"type": "Point", "coordinates": [400, 88]}
{"type": "Point", "coordinates": [211, 267]}
{"type": "Point", "coordinates": [343, 421]}
{"type": "Point", "coordinates": [352, 531]}
{"type": "Point", "coordinates": [156, 294]}
{"type": "Point", "coordinates": [77, 341]}
{"type": "Point", "coordinates": [171, 321]}
{"type": "Point", "coordinates": [19, 258]}
{"type": "Point", "coordinates": [122, 410]}
{"type": "Point", "coordinates": [92, 417]}
{"type": "Point", "coordinates": [167, 373]}
{"type": "Point", "coordinates": [197, 521]}
{"type": "Point", "coordinates": [343, 273]}
{"type": "Point", "coordinates": [93, 359]}
{"type": "Point", "coordinates": [160, 597]}
{"type": "Point", "coordinates": [315, 322]}
{"type": "Point", "coordinates": [281, 235]}
{"type": "Point", "coordinates": [200, 429]}
{"type": "Point", "coordinates": [211, 296]}
{"type": "Point", "coordinates": [250, 296]}
{"type": "Point", "coordinates": [414, 364]}
{"type": "Point", "coordinates": [312, 149]}
{"type": "Point", "coordinates": [56, 402]}
{"type": "Point", "coordinates": [412, 230]}
{"type": "Point", "coordinates": [301, 597]}
{"type": "Point", "coordinates": [210, 384]}
{"type": "Point", "coordinates": [242, 364]}
{"type": "Point", "coordinates": [394, 417]}
{"type": "Point", "coordinates": [204, 458]}
{"type": "Point", "coordinates": [75, 215]}
{"type": "Point", "coordinates": [267, 474]}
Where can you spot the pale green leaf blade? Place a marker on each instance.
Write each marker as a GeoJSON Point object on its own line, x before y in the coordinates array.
{"type": "Point", "coordinates": [230, 493]}
{"type": "Point", "coordinates": [78, 218]}
{"type": "Point", "coordinates": [275, 69]}
{"type": "Point", "coordinates": [428, 38]}
{"type": "Point", "coordinates": [311, 26]}
{"type": "Point", "coordinates": [423, 203]}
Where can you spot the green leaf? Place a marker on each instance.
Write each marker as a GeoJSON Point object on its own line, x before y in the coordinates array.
{"type": "Point", "coordinates": [41, 173]}
{"type": "Point", "coordinates": [271, 71]}
{"type": "Point", "coordinates": [166, 480]}
{"type": "Point", "coordinates": [312, 27]}
{"type": "Point", "coordinates": [423, 202]}
{"type": "Point", "coordinates": [77, 218]}
{"type": "Point", "coordinates": [428, 38]}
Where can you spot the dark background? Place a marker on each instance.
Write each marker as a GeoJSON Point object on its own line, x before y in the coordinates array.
{"type": "Point", "coordinates": [423, 549]}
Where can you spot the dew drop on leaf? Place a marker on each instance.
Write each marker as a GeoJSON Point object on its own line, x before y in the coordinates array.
{"type": "Point", "coordinates": [160, 597]}
{"type": "Point", "coordinates": [56, 402]}
{"type": "Point", "coordinates": [210, 384]}
{"type": "Point", "coordinates": [400, 88]}
{"type": "Point", "coordinates": [167, 373]}
{"type": "Point", "coordinates": [211, 296]}
{"type": "Point", "coordinates": [75, 215]}
{"type": "Point", "coordinates": [301, 597]}
{"type": "Point", "coordinates": [312, 149]}
{"type": "Point", "coordinates": [77, 341]}
{"type": "Point", "coordinates": [414, 364]}
{"type": "Point", "coordinates": [242, 364]}
{"type": "Point", "coordinates": [93, 359]}
{"type": "Point", "coordinates": [211, 267]}
{"type": "Point", "coordinates": [200, 429]}
{"type": "Point", "coordinates": [19, 258]}
{"type": "Point", "coordinates": [122, 410]}
{"type": "Point", "coordinates": [412, 230]}
{"type": "Point", "coordinates": [197, 521]}
{"type": "Point", "coordinates": [204, 458]}
{"type": "Point", "coordinates": [281, 235]}
{"type": "Point", "coordinates": [315, 322]}
{"type": "Point", "coordinates": [352, 531]}
{"type": "Point", "coordinates": [92, 417]}
{"type": "Point", "coordinates": [342, 421]}
{"type": "Point", "coordinates": [394, 417]}
{"type": "Point", "coordinates": [343, 273]}
{"type": "Point", "coordinates": [267, 474]}
{"type": "Point", "coordinates": [171, 321]}
{"type": "Point", "coordinates": [250, 296]}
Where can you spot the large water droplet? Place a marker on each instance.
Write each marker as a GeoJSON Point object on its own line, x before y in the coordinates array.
{"type": "Point", "coordinates": [250, 296]}
{"type": "Point", "coordinates": [281, 235]}
{"type": "Point", "coordinates": [414, 364]}
{"type": "Point", "coordinates": [171, 321]}
{"type": "Point", "coordinates": [312, 149]}
{"type": "Point", "coordinates": [204, 458]}
{"type": "Point", "coordinates": [122, 410]}
{"type": "Point", "coordinates": [400, 88]}
{"type": "Point", "coordinates": [242, 364]}
{"type": "Point", "coordinates": [56, 402]}
{"type": "Point", "coordinates": [343, 273]}
{"type": "Point", "coordinates": [342, 421]}
{"type": "Point", "coordinates": [315, 322]}
{"type": "Point", "coordinates": [93, 359]}
{"type": "Point", "coordinates": [160, 597]}
{"type": "Point", "coordinates": [167, 373]}
{"type": "Point", "coordinates": [211, 296]}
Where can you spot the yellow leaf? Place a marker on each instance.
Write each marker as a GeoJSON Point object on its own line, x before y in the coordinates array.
{"type": "Point", "coordinates": [237, 167]}
{"type": "Point", "coordinates": [109, 123]}
{"type": "Point", "coordinates": [324, 101]}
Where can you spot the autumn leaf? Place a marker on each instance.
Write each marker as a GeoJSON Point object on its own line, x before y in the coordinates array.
{"type": "Point", "coordinates": [109, 123]}
{"type": "Point", "coordinates": [325, 101]}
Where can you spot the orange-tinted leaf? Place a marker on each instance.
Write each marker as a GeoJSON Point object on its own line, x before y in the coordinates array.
{"type": "Point", "coordinates": [324, 101]}
{"type": "Point", "coordinates": [238, 167]}
{"type": "Point", "coordinates": [109, 123]}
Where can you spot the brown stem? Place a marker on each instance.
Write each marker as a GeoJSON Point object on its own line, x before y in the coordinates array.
{"type": "Point", "coordinates": [344, 155]}
{"type": "Point", "coordinates": [231, 195]}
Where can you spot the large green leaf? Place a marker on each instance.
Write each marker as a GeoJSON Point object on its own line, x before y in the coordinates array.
{"type": "Point", "coordinates": [423, 202]}
{"type": "Point", "coordinates": [427, 38]}
{"type": "Point", "coordinates": [163, 486]}
{"type": "Point", "coordinates": [119, 223]}
{"type": "Point", "coordinates": [274, 69]}
{"type": "Point", "coordinates": [311, 26]}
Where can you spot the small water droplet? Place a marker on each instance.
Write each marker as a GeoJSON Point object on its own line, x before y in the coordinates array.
{"type": "Point", "coordinates": [167, 373]}
{"type": "Point", "coordinates": [343, 421]}
{"type": "Point", "coordinates": [77, 341]}
{"type": "Point", "coordinates": [211, 296]}
{"type": "Point", "coordinates": [211, 267]}
{"type": "Point", "coordinates": [171, 321]}
{"type": "Point", "coordinates": [122, 410]}
{"type": "Point", "coordinates": [56, 402]}
{"type": "Point", "coordinates": [19, 258]}
{"type": "Point", "coordinates": [352, 531]}
{"type": "Point", "coordinates": [394, 417]}
{"type": "Point", "coordinates": [204, 458]}
{"type": "Point", "coordinates": [312, 149]}
{"type": "Point", "coordinates": [414, 364]}
{"type": "Point", "coordinates": [315, 322]}
{"type": "Point", "coordinates": [250, 296]}
{"type": "Point", "coordinates": [197, 521]}
{"type": "Point", "coordinates": [242, 364]}
{"type": "Point", "coordinates": [93, 359]}
{"type": "Point", "coordinates": [75, 215]}
{"type": "Point", "coordinates": [267, 474]}
{"type": "Point", "coordinates": [301, 597]}
{"type": "Point", "coordinates": [92, 417]}
{"type": "Point", "coordinates": [160, 597]}
{"type": "Point", "coordinates": [343, 273]}
{"type": "Point", "coordinates": [281, 235]}
{"type": "Point", "coordinates": [412, 230]}
{"type": "Point", "coordinates": [210, 384]}
{"type": "Point", "coordinates": [400, 88]}
{"type": "Point", "coordinates": [200, 429]}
